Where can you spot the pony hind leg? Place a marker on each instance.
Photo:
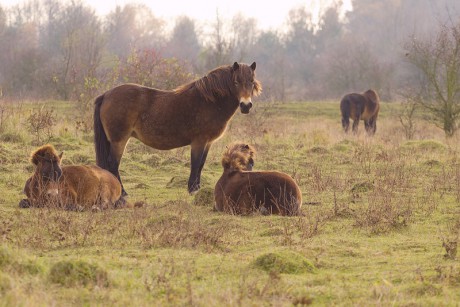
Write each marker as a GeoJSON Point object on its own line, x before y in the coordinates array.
{"type": "Point", "coordinates": [114, 159]}
{"type": "Point", "coordinates": [345, 124]}
{"type": "Point", "coordinates": [355, 125]}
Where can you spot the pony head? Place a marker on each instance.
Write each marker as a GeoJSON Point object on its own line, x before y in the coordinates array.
{"type": "Point", "coordinates": [372, 96]}
{"type": "Point", "coordinates": [245, 84]}
{"type": "Point", "coordinates": [238, 157]}
{"type": "Point", "coordinates": [47, 162]}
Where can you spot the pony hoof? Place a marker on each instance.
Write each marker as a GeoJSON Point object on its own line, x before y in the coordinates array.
{"type": "Point", "coordinates": [24, 203]}
{"type": "Point", "coordinates": [194, 189]}
{"type": "Point", "coordinates": [120, 203]}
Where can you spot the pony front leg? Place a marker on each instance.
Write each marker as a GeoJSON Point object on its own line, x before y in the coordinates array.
{"type": "Point", "coordinates": [367, 126]}
{"type": "Point", "coordinates": [198, 158]}
{"type": "Point", "coordinates": [373, 125]}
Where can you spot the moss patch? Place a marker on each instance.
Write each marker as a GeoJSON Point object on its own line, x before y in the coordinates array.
{"type": "Point", "coordinates": [284, 262]}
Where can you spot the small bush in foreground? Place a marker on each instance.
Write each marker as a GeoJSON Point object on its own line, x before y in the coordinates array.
{"type": "Point", "coordinates": [73, 273]}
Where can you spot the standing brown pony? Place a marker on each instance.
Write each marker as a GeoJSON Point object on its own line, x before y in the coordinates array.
{"type": "Point", "coordinates": [364, 106]}
{"type": "Point", "coordinates": [242, 191]}
{"type": "Point", "coordinates": [70, 187]}
{"type": "Point", "coordinates": [194, 114]}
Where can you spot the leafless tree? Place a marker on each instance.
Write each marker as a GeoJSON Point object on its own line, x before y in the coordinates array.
{"type": "Point", "coordinates": [438, 61]}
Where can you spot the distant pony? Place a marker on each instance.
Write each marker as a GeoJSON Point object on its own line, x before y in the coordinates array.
{"type": "Point", "coordinates": [194, 114]}
{"type": "Point", "coordinates": [73, 187]}
{"type": "Point", "coordinates": [364, 106]}
{"type": "Point", "coordinates": [242, 191]}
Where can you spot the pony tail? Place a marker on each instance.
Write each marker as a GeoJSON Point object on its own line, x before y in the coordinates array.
{"type": "Point", "coordinates": [345, 106]}
{"type": "Point", "coordinates": [101, 142]}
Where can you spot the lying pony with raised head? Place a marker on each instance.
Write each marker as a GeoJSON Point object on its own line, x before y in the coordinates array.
{"type": "Point", "coordinates": [72, 187]}
{"type": "Point", "coordinates": [242, 191]}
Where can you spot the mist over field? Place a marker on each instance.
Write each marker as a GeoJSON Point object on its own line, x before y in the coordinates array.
{"type": "Point", "coordinates": [59, 49]}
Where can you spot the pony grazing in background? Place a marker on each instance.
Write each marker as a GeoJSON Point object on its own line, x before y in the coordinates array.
{"type": "Point", "coordinates": [73, 187]}
{"type": "Point", "coordinates": [194, 114]}
{"type": "Point", "coordinates": [364, 106]}
{"type": "Point", "coordinates": [242, 191]}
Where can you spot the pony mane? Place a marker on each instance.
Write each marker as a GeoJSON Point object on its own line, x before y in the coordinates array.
{"type": "Point", "coordinates": [45, 152]}
{"type": "Point", "coordinates": [217, 83]}
{"type": "Point", "coordinates": [372, 96]}
{"type": "Point", "coordinates": [237, 156]}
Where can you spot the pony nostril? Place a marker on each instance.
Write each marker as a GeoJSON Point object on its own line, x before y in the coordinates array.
{"type": "Point", "coordinates": [241, 104]}
{"type": "Point", "coordinates": [250, 105]}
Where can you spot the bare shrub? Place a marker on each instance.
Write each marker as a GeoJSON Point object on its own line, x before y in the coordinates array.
{"type": "Point", "coordinates": [383, 213]}
{"type": "Point", "coordinates": [308, 226]}
{"type": "Point", "coordinates": [450, 239]}
{"type": "Point", "coordinates": [169, 281]}
{"type": "Point", "coordinates": [407, 117]}
{"type": "Point", "coordinates": [40, 124]}
{"type": "Point", "coordinates": [364, 155]}
{"type": "Point", "coordinates": [251, 289]}
{"type": "Point", "coordinates": [449, 275]}
{"type": "Point", "coordinates": [185, 228]}
{"type": "Point", "coordinates": [147, 67]}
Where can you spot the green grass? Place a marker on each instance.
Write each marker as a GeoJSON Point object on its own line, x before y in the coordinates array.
{"type": "Point", "coordinates": [376, 214]}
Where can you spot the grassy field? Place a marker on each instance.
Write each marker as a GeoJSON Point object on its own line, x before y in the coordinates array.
{"type": "Point", "coordinates": [380, 227]}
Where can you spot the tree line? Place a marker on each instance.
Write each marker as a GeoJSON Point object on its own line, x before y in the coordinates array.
{"type": "Point", "coordinates": [64, 50]}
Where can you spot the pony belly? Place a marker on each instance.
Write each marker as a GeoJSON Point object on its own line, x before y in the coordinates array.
{"type": "Point", "coordinates": [164, 143]}
{"type": "Point", "coordinates": [367, 114]}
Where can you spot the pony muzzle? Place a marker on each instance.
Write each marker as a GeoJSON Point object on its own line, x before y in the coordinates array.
{"type": "Point", "coordinates": [245, 107]}
{"type": "Point", "coordinates": [52, 192]}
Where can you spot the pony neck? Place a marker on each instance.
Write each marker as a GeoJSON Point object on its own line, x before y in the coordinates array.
{"type": "Point", "coordinates": [229, 105]}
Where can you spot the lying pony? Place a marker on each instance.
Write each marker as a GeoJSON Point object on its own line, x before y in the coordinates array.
{"type": "Point", "coordinates": [73, 187]}
{"type": "Point", "coordinates": [242, 191]}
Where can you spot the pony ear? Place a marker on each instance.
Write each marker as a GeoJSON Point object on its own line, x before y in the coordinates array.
{"type": "Point", "coordinates": [253, 66]}
{"type": "Point", "coordinates": [60, 155]}
{"type": "Point", "coordinates": [246, 146]}
{"type": "Point", "coordinates": [236, 66]}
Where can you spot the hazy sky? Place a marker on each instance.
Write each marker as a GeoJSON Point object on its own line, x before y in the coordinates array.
{"type": "Point", "coordinates": [269, 14]}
